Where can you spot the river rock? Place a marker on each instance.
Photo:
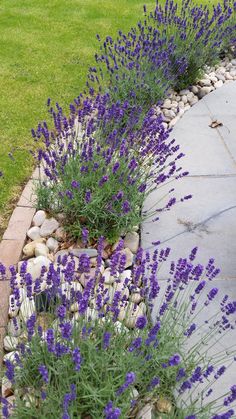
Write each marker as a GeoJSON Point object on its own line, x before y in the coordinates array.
{"type": "Point", "coordinates": [108, 278]}
{"type": "Point", "coordinates": [132, 314]}
{"type": "Point", "coordinates": [41, 250]}
{"type": "Point", "coordinates": [13, 306]}
{"type": "Point", "coordinates": [27, 308]}
{"type": "Point", "coordinates": [145, 412]}
{"type": "Point", "coordinates": [91, 314]}
{"type": "Point", "coordinates": [10, 356]}
{"type": "Point", "coordinates": [129, 257]}
{"type": "Point", "coordinates": [85, 277]}
{"type": "Point", "coordinates": [136, 298]}
{"type": "Point", "coordinates": [89, 252]}
{"type": "Point", "coordinates": [29, 248]}
{"type": "Point", "coordinates": [205, 82]}
{"type": "Point", "coordinates": [60, 234]}
{"type": "Point", "coordinates": [163, 406]}
{"type": "Point", "coordinates": [131, 241]}
{"type": "Point", "coordinates": [39, 218]}
{"type": "Point", "coordinates": [7, 388]}
{"type": "Point", "coordinates": [48, 227]}
{"type": "Point", "coordinates": [167, 104]}
{"type": "Point", "coordinates": [219, 83]}
{"type": "Point", "coordinates": [34, 233]}
{"type": "Point", "coordinates": [52, 244]}
{"type": "Point", "coordinates": [10, 343]}
{"type": "Point", "coordinates": [14, 327]}
{"type": "Point", "coordinates": [184, 92]}
{"type": "Point", "coordinates": [35, 265]}
{"type": "Point", "coordinates": [204, 91]}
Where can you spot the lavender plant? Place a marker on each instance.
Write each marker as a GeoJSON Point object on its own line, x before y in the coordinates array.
{"type": "Point", "coordinates": [200, 33]}
{"type": "Point", "coordinates": [169, 48]}
{"type": "Point", "coordinates": [99, 176]}
{"type": "Point", "coordinates": [86, 363]}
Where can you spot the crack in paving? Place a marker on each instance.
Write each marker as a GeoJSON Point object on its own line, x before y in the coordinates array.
{"type": "Point", "coordinates": [191, 227]}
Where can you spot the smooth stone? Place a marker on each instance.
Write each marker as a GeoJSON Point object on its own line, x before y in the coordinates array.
{"type": "Point", "coordinates": [167, 104]}
{"type": "Point", "coordinates": [13, 306]}
{"type": "Point", "coordinates": [122, 288]}
{"type": "Point", "coordinates": [134, 393]}
{"type": "Point", "coordinates": [60, 234]}
{"type": "Point", "coordinates": [204, 91]}
{"type": "Point", "coordinates": [34, 233]}
{"type": "Point", "coordinates": [91, 314]}
{"type": "Point", "coordinates": [136, 298]}
{"type": "Point", "coordinates": [120, 328]}
{"type": "Point", "coordinates": [233, 62]}
{"type": "Point", "coordinates": [41, 250]}
{"type": "Point", "coordinates": [143, 307]}
{"type": "Point", "coordinates": [14, 327]}
{"type": "Point", "coordinates": [184, 92]}
{"type": "Point", "coordinates": [7, 388]}
{"type": "Point", "coordinates": [145, 412]}
{"type": "Point", "coordinates": [205, 82]}
{"type": "Point", "coordinates": [10, 343]}
{"type": "Point", "coordinates": [27, 308]}
{"type": "Point", "coordinates": [220, 77]}
{"type": "Point", "coordinates": [126, 276]}
{"type": "Point", "coordinates": [30, 400]}
{"type": "Point", "coordinates": [131, 241]}
{"type": "Point", "coordinates": [11, 356]}
{"type": "Point", "coordinates": [29, 248]}
{"type": "Point", "coordinates": [129, 257]}
{"type": "Point", "coordinates": [48, 227]}
{"type": "Point", "coordinates": [184, 99]}
{"type": "Point", "coordinates": [221, 70]}
{"type": "Point", "coordinates": [39, 218]}
{"type": "Point", "coordinates": [190, 96]}
{"type": "Point", "coordinates": [219, 83]}
{"type": "Point", "coordinates": [163, 406]}
{"type": "Point", "coordinates": [52, 244]}
{"type": "Point", "coordinates": [35, 265]}
{"type": "Point", "coordinates": [132, 315]}
{"type": "Point", "coordinates": [89, 252]}
{"type": "Point", "coordinates": [193, 101]}
{"type": "Point", "coordinates": [169, 113]}
{"type": "Point", "coordinates": [181, 104]}
{"type": "Point", "coordinates": [213, 79]}
{"type": "Point", "coordinates": [174, 121]}
{"type": "Point", "coordinates": [108, 278]}
{"type": "Point", "coordinates": [228, 76]}
{"type": "Point", "coordinates": [85, 277]}
{"type": "Point", "coordinates": [74, 307]}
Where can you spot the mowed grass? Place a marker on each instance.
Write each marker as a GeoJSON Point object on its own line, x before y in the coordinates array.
{"type": "Point", "coordinates": [46, 49]}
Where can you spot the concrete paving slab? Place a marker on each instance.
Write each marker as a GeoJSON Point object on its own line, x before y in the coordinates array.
{"type": "Point", "coordinates": [208, 220]}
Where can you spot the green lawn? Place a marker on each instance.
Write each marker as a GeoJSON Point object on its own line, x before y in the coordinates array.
{"type": "Point", "coordinates": [46, 48]}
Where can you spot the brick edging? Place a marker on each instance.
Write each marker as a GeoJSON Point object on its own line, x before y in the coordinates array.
{"type": "Point", "coordinates": [12, 244]}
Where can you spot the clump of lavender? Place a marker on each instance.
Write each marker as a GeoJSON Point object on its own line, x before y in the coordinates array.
{"type": "Point", "coordinates": [199, 32]}
{"type": "Point", "coordinates": [168, 48]}
{"type": "Point", "coordinates": [100, 177]}
{"type": "Point", "coordinates": [166, 357]}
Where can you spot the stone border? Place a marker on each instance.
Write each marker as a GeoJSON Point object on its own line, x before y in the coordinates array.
{"type": "Point", "coordinates": [12, 244]}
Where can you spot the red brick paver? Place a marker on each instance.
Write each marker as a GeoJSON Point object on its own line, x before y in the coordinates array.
{"type": "Point", "coordinates": [19, 223]}
{"type": "Point", "coordinates": [28, 197]}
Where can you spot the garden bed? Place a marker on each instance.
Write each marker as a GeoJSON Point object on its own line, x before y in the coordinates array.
{"type": "Point", "coordinates": [80, 335]}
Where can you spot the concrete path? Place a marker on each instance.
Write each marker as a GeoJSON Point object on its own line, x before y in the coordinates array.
{"type": "Point", "coordinates": [208, 220]}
